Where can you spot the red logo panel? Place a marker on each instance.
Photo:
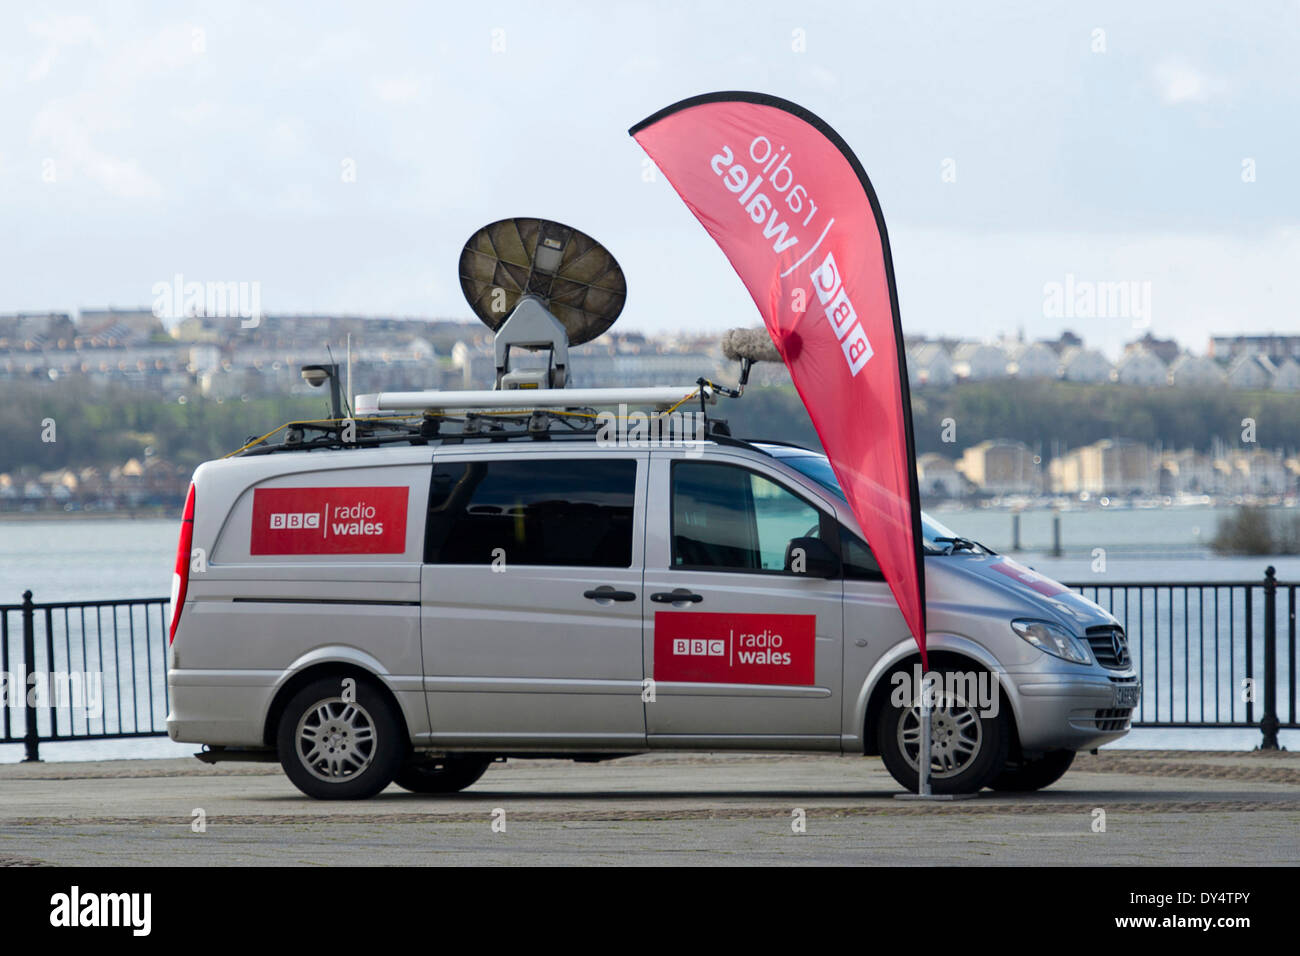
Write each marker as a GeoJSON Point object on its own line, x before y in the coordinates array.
{"type": "Point", "coordinates": [699, 647]}
{"type": "Point", "coordinates": [329, 521]}
{"type": "Point", "coordinates": [1027, 576]}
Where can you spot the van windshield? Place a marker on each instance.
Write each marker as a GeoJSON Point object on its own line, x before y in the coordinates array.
{"type": "Point", "coordinates": [938, 538]}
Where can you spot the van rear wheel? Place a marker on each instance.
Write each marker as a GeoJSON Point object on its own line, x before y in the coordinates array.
{"type": "Point", "coordinates": [337, 749]}
{"type": "Point", "coordinates": [968, 747]}
{"type": "Point", "coordinates": [441, 774]}
{"type": "Point", "coordinates": [1034, 774]}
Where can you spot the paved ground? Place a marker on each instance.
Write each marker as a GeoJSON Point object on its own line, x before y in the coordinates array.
{"type": "Point", "coordinates": [1160, 808]}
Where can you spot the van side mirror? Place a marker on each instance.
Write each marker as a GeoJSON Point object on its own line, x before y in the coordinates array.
{"type": "Point", "coordinates": [811, 556]}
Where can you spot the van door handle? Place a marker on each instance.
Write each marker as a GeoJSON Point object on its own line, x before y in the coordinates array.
{"type": "Point", "coordinates": [607, 593]}
{"type": "Point", "coordinates": [675, 595]}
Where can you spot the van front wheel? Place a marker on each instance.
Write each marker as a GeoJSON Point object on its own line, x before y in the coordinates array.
{"type": "Point", "coordinates": [340, 743]}
{"type": "Point", "coordinates": [969, 744]}
{"type": "Point", "coordinates": [1034, 774]}
{"type": "Point", "coordinates": [441, 774]}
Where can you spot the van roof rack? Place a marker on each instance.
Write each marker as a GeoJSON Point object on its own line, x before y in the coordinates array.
{"type": "Point", "coordinates": [539, 286]}
{"type": "Point", "coordinates": [325, 435]}
{"type": "Point", "coordinates": [419, 418]}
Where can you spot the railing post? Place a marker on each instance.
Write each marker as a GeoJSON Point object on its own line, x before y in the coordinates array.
{"type": "Point", "coordinates": [1269, 722]}
{"type": "Point", "coordinates": [30, 736]}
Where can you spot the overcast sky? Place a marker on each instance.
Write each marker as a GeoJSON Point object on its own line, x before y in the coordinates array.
{"type": "Point", "coordinates": [144, 140]}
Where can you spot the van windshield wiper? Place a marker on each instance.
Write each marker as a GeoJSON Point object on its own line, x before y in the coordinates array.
{"type": "Point", "coordinates": [959, 544]}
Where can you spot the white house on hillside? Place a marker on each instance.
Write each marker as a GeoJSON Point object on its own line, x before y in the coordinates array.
{"type": "Point", "coordinates": [1034, 360]}
{"type": "Point", "coordinates": [1287, 376]}
{"type": "Point", "coordinates": [978, 362]}
{"type": "Point", "coordinates": [1253, 372]}
{"type": "Point", "coordinates": [930, 364]}
{"type": "Point", "coordinates": [1140, 366]}
{"type": "Point", "coordinates": [1196, 371]}
{"type": "Point", "coordinates": [1079, 364]}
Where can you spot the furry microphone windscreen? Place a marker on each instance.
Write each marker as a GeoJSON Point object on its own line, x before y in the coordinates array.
{"type": "Point", "coordinates": [753, 344]}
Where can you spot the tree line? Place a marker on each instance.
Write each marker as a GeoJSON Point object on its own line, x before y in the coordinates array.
{"type": "Point", "coordinates": [74, 425]}
{"type": "Point", "coordinates": [1050, 417]}
{"type": "Point", "coordinates": [105, 426]}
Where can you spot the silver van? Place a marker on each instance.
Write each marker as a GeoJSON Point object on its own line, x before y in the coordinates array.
{"type": "Point", "coordinates": [411, 612]}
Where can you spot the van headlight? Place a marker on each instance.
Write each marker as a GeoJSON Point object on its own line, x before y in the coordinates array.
{"type": "Point", "coordinates": [1053, 639]}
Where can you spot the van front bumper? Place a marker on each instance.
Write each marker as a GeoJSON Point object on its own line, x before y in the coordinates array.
{"type": "Point", "coordinates": [1063, 711]}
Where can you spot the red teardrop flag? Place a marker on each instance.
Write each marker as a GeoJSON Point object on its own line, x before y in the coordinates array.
{"type": "Point", "coordinates": [794, 212]}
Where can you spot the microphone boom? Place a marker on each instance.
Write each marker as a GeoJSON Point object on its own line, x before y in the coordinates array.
{"type": "Point", "coordinates": [754, 345]}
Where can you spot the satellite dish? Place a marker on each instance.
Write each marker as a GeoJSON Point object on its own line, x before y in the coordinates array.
{"type": "Point", "coordinates": [573, 275]}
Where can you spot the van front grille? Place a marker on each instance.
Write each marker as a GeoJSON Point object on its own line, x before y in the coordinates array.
{"type": "Point", "coordinates": [1114, 718]}
{"type": "Point", "coordinates": [1109, 646]}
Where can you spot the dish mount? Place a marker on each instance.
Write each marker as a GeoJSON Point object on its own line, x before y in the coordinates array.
{"type": "Point", "coordinates": [541, 287]}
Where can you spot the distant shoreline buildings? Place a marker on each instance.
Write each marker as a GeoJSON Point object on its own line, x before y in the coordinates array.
{"type": "Point", "coordinates": [1111, 468]}
{"type": "Point", "coordinates": [146, 483]}
{"type": "Point", "coordinates": [230, 358]}
{"type": "Point", "coordinates": [1252, 362]}
{"type": "Point", "coordinates": [226, 357]}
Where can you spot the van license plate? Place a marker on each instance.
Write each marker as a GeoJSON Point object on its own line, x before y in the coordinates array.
{"type": "Point", "coordinates": [1127, 695]}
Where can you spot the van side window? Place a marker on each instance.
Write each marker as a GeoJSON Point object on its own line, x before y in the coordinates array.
{"type": "Point", "coordinates": [727, 517]}
{"type": "Point", "coordinates": [574, 512]}
{"type": "Point", "coordinates": [858, 560]}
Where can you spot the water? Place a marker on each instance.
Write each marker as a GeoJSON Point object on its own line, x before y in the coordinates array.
{"type": "Point", "coordinates": [89, 560]}
{"type": "Point", "coordinates": [97, 559]}
{"type": "Point", "coordinates": [86, 559]}
{"type": "Point", "coordinates": [1167, 528]}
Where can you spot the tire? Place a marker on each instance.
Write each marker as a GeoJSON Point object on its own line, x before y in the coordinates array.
{"type": "Point", "coordinates": [365, 746]}
{"type": "Point", "coordinates": [953, 769]}
{"type": "Point", "coordinates": [441, 774]}
{"type": "Point", "coordinates": [1034, 774]}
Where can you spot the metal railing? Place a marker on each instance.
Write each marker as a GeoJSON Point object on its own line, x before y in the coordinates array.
{"type": "Point", "coordinates": [83, 670]}
{"type": "Point", "coordinates": [1210, 655]}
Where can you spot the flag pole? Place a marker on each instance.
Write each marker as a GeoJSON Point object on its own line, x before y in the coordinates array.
{"type": "Point", "coordinates": [925, 705]}
{"type": "Point", "coordinates": [923, 757]}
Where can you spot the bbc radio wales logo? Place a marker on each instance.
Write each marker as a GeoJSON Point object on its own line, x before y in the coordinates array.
{"type": "Point", "coordinates": [709, 647]}
{"type": "Point", "coordinates": [328, 521]}
{"type": "Point", "coordinates": [689, 647]}
{"type": "Point", "coordinates": [295, 521]}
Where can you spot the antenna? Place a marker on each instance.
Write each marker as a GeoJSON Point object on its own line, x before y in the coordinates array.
{"type": "Point", "coordinates": [540, 286]}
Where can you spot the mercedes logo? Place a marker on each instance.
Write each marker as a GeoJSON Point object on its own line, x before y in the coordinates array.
{"type": "Point", "coordinates": [1120, 648]}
